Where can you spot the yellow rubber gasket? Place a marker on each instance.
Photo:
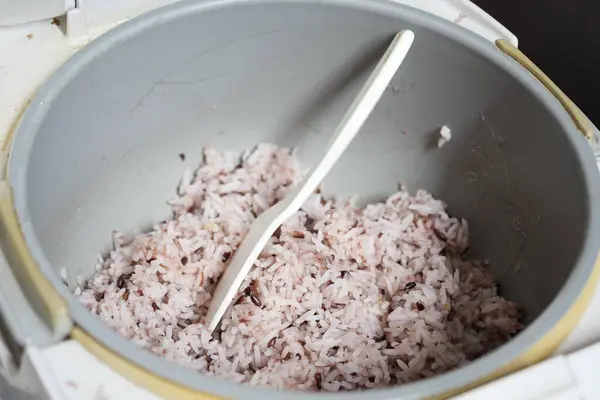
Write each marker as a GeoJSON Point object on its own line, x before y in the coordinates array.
{"type": "Point", "coordinates": [582, 122]}
{"type": "Point", "coordinates": [39, 291]}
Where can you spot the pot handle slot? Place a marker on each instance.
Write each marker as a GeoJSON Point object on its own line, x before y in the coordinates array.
{"type": "Point", "coordinates": [40, 303]}
{"type": "Point", "coordinates": [584, 125]}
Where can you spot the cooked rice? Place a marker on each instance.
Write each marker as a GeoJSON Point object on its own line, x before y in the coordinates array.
{"type": "Point", "coordinates": [341, 298]}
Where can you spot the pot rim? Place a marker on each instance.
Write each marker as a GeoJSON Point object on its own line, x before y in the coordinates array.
{"type": "Point", "coordinates": [487, 364]}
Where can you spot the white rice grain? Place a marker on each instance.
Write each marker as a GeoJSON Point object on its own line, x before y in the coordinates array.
{"type": "Point", "coordinates": [341, 298]}
{"type": "Point", "coordinates": [444, 136]}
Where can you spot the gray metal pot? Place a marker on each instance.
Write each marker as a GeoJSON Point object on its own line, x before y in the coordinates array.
{"type": "Point", "coordinates": [98, 149]}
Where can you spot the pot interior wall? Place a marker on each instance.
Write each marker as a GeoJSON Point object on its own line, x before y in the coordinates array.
{"type": "Point", "coordinates": [107, 153]}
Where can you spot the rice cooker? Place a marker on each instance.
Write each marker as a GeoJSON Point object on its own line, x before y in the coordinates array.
{"type": "Point", "coordinates": [96, 151]}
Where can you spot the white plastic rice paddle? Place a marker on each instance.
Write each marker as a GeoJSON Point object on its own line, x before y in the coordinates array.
{"type": "Point", "coordinates": [262, 228]}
